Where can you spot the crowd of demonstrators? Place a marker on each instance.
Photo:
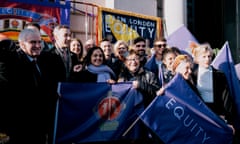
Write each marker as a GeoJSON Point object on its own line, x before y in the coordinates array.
{"type": "Point", "coordinates": [69, 60]}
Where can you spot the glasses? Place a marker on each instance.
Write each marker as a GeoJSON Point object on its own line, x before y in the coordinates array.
{"type": "Point", "coordinates": [132, 59]}
{"type": "Point", "coordinates": [160, 45]}
{"type": "Point", "coordinates": [140, 45]}
{"type": "Point", "coordinates": [34, 42]}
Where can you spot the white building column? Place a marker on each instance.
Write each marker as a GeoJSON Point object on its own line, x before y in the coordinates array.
{"type": "Point", "coordinates": [174, 15]}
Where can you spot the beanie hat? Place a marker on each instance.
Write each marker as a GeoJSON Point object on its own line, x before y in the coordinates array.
{"type": "Point", "coordinates": [178, 60]}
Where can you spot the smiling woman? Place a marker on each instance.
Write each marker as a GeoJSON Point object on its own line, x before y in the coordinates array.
{"type": "Point", "coordinates": [95, 68]}
{"type": "Point", "coordinates": [146, 82]}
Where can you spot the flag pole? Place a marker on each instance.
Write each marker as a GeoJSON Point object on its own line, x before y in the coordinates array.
{"type": "Point", "coordinates": [56, 114]}
{"type": "Point", "coordinates": [131, 126]}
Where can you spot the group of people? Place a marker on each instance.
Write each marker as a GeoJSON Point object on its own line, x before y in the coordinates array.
{"type": "Point", "coordinates": [30, 73]}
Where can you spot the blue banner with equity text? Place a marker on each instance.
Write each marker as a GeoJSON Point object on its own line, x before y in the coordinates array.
{"type": "Point", "coordinates": [179, 116]}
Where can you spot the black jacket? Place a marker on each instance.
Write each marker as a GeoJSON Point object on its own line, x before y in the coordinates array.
{"type": "Point", "coordinates": [23, 101]}
{"type": "Point", "coordinates": [223, 103]}
{"type": "Point", "coordinates": [148, 83]}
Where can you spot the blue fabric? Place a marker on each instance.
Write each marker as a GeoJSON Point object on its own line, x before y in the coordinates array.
{"type": "Point", "coordinates": [181, 38]}
{"type": "Point", "coordinates": [92, 112]}
{"type": "Point", "coordinates": [151, 65]}
{"type": "Point", "coordinates": [180, 117]}
{"type": "Point", "coordinates": [224, 62]}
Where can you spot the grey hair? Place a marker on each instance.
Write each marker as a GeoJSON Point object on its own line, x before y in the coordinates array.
{"type": "Point", "coordinates": [58, 28]}
{"type": "Point", "coordinates": [26, 33]}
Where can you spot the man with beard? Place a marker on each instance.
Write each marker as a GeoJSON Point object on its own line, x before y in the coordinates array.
{"type": "Point", "coordinates": [139, 45]}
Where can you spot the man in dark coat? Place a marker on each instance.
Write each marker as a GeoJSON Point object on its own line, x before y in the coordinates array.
{"type": "Point", "coordinates": [58, 65]}
{"type": "Point", "coordinates": [23, 101]}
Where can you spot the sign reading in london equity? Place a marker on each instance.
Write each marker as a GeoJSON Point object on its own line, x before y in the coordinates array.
{"type": "Point", "coordinates": [122, 25]}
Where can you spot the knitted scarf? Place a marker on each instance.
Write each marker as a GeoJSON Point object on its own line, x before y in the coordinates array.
{"type": "Point", "coordinates": [103, 71]}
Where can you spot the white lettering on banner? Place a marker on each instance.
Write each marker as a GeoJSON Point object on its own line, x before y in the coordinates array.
{"type": "Point", "coordinates": [119, 27]}
{"type": "Point", "coordinates": [141, 23]}
{"type": "Point", "coordinates": [107, 28]}
{"type": "Point", "coordinates": [122, 19]}
{"type": "Point", "coordinates": [187, 120]}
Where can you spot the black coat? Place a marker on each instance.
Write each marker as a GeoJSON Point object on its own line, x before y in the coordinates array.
{"type": "Point", "coordinates": [223, 102]}
{"type": "Point", "coordinates": [148, 83]}
{"type": "Point", "coordinates": [23, 101]}
{"type": "Point", "coordinates": [54, 71]}
{"type": "Point", "coordinates": [52, 62]}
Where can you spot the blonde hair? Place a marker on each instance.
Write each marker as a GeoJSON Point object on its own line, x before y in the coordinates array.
{"type": "Point", "coordinates": [117, 44]}
{"type": "Point", "coordinates": [180, 58]}
{"type": "Point", "coordinates": [200, 49]}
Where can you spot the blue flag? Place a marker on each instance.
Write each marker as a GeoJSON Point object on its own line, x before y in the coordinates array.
{"type": "Point", "coordinates": [180, 117]}
{"type": "Point", "coordinates": [224, 62]}
{"type": "Point", "coordinates": [237, 68]}
{"type": "Point", "coordinates": [181, 38]}
{"type": "Point", "coordinates": [94, 112]}
{"type": "Point", "coordinates": [151, 64]}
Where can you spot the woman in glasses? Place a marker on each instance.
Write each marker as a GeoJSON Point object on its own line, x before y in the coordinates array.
{"type": "Point", "coordinates": [144, 81]}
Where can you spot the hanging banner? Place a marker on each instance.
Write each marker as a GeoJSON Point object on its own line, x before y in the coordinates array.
{"type": "Point", "coordinates": [15, 14]}
{"type": "Point", "coordinates": [121, 25]}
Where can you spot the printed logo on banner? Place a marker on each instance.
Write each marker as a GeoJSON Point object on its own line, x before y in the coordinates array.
{"type": "Point", "coordinates": [109, 109]}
